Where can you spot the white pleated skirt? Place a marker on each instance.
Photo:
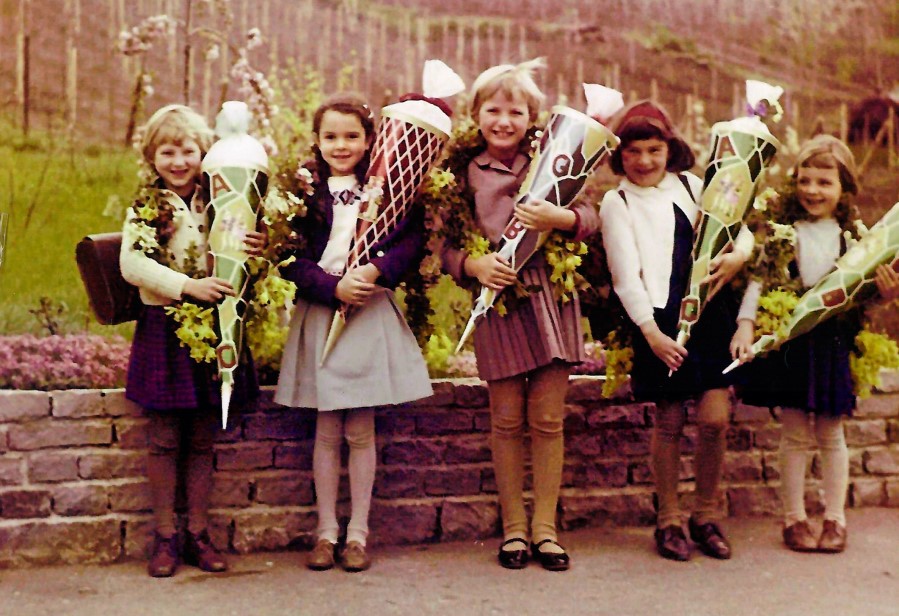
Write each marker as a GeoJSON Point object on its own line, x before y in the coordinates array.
{"type": "Point", "coordinates": [375, 362]}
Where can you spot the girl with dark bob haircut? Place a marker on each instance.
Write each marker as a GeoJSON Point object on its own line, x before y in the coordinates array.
{"type": "Point", "coordinates": [646, 120]}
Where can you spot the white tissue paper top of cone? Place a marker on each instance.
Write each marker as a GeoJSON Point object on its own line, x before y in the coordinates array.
{"type": "Point", "coordinates": [440, 81]}
{"type": "Point", "coordinates": [235, 147]}
{"type": "Point", "coordinates": [758, 91]}
{"type": "Point", "coordinates": [602, 102]}
{"type": "Point", "coordinates": [426, 112]}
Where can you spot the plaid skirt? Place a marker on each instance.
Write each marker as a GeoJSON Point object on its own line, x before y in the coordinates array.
{"type": "Point", "coordinates": [163, 377]}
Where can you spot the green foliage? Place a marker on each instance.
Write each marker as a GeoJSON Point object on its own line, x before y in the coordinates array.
{"type": "Point", "coordinates": [875, 351]}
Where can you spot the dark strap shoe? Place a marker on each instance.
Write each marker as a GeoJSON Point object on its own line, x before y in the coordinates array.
{"type": "Point", "coordinates": [164, 556]}
{"type": "Point", "coordinates": [513, 559]}
{"type": "Point", "coordinates": [710, 540]}
{"type": "Point", "coordinates": [833, 537]}
{"type": "Point", "coordinates": [671, 543]}
{"type": "Point", "coordinates": [199, 552]}
{"type": "Point", "coordinates": [551, 561]}
{"type": "Point", "coordinates": [799, 538]}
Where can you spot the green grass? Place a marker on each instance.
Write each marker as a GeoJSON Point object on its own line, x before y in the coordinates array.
{"type": "Point", "coordinates": [55, 196]}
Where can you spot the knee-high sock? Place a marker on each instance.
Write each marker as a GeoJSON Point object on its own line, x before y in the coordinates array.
{"type": "Point", "coordinates": [326, 471]}
{"type": "Point", "coordinates": [507, 422]}
{"type": "Point", "coordinates": [203, 425]}
{"type": "Point", "coordinates": [834, 466]}
{"type": "Point", "coordinates": [360, 435]}
{"type": "Point", "coordinates": [713, 413]}
{"type": "Point", "coordinates": [665, 450]}
{"type": "Point", "coordinates": [795, 438]}
{"type": "Point", "coordinates": [162, 468]}
{"type": "Point", "coordinates": [546, 413]}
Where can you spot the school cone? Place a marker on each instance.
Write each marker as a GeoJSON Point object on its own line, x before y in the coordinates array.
{"type": "Point", "coordinates": [410, 138]}
{"type": "Point", "coordinates": [237, 170]}
{"type": "Point", "coordinates": [850, 282]}
{"type": "Point", "coordinates": [572, 145]}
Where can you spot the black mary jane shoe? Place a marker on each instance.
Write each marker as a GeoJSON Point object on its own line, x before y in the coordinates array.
{"type": "Point", "coordinates": [513, 559]}
{"type": "Point", "coordinates": [551, 561]}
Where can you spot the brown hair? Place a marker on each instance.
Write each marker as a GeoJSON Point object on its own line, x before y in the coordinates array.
{"type": "Point", "coordinates": [647, 120]}
{"type": "Point", "coordinates": [350, 104]}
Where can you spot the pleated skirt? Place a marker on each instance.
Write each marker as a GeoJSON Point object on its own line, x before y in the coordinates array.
{"type": "Point", "coordinates": [375, 362]}
{"type": "Point", "coordinates": [531, 335]}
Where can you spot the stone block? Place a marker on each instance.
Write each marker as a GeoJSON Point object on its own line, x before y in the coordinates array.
{"type": "Point", "coordinates": [115, 404]}
{"type": "Point", "coordinates": [619, 415]}
{"type": "Point", "coordinates": [452, 481]}
{"type": "Point", "coordinates": [608, 507]}
{"type": "Point", "coordinates": [771, 466]}
{"type": "Point", "coordinates": [892, 430]}
{"type": "Point", "coordinates": [889, 381]}
{"type": "Point", "coordinates": [488, 480]}
{"type": "Point", "coordinates": [418, 452]}
{"type": "Point", "coordinates": [575, 421]}
{"type": "Point", "coordinates": [867, 492]}
{"type": "Point", "coordinates": [112, 464]}
{"type": "Point", "coordinates": [444, 395]}
{"type": "Point", "coordinates": [752, 500]}
{"type": "Point", "coordinates": [275, 426]}
{"type": "Point", "coordinates": [77, 403]}
{"type": "Point", "coordinates": [234, 433]}
{"type": "Point", "coordinates": [605, 473]}
{"type": "Point", "coordinates": [138, 530]}
{"type": "Point", "coordinates": [131, 433]}
{"type": "Point", "coordinates": [482, 422]}
{"type": "Point", "coordinates": [51, 466]}
{"type": "Point", "coordinates": [25, 503]}
{"type": "Point", "coordinates": [746, 413]}
{"type": "Point", "coordinates": [243, 457]}
{"type": "Point", "coordinates": [766, 437]}
{"type": "Point", "coordinates": [586, 445]}
{"type": "Point", "coordinates": [471, 393]}
{"type": "Point", "coordinates": [11, 471]}
{"type": "Point", "coordinates": [892, 488]}
{"type": "Point", "coordinates": [584, 389]}
{"type": "Point", "coordinates": [856, 462]}
{"type": "Point", "coordinates": [402, 523]}
{"type": "Point", "coordinates": [60, 542]}
{"type": "Point", "coordinates": [395, 424]}
{"type": "Point", "coordinates": [627, 442]}
{"type": "Point", "coordinates": [260, 529]}
{"type": "Point", "coordinates": [230, 490]}
{"type": "Point", "coordinates": [283, 488]}
{"type": "Point", "coordinates": [863, 433]}
{"type": "Point", "coordinates": [879, 406]}
{"type": "Point", "coordinates": [130, 496]}
{"type": "Point", "coordinates": [467, 450]}
{"type": "Point", "coordinates": [80, 499]}
{"type": "Point", "coordinates": [740, 438]}
{"type": "Point", "coordinates": [46, 433]}
{"type": "Point", "coordinates": [743, 467]}
{"type": "Point", "coordinates": [467, 520]}
{"type": "Point", "coordinates": [4, 439]}
{"type": "Point", "coordinates": [296, 456]}
{"type": "Point", "coordinates": [399, 483]}
{"type": "Point", "coordinates": [639, 473]}
{"type": "Point", "coordinates": [881, 461]}
{"type": "Point", "coordinates": [20, 405]}
{"type": "Point", "coordinates": [436, 421]}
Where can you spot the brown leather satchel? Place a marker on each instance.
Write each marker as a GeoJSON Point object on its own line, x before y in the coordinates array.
{"type": "Point", "coordinates": [112, 299]}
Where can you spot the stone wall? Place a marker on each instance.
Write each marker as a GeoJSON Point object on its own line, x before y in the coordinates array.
{"type": "Point", "coordinates": [73, 485]}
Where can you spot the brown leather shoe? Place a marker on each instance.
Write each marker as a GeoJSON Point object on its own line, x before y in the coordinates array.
{"type": "Point", "coordinates": [199, 552]}
{"type": "Point", "coordinates": [321, 558]}
{"type": "Point", "coordinates": [353, 557]}
{"type": "Point", "coordinates": [833, 537]}
{"type": "Point", "coordinates": [164, 556]}
{"type": "Point", "coordinates": [671, 543]}
{"type": "Point", "coordinates": [709, 539]}
{"type": "Point", "coordinates": [799, 538]}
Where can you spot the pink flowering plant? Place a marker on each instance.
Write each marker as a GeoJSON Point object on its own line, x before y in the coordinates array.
{"type": "Point", "coordinates": [71, 361]}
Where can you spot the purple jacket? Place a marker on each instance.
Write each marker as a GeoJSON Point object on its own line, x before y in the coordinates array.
{"type": "Point", "coordinates": [393, 256]}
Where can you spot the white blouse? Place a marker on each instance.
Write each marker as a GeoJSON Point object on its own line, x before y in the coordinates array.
{"type": "Point", "coordinates": [343, 229]}
{"type": "Point", "coordinates": [638, 236]}
{"type": "Point", "coordinates": [817, 249]}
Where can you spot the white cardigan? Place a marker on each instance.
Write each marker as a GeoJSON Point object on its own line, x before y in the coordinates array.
{"type": "Point", "coordinates": [638, 237]}
{"type": "Point", "coordinates": [159, 284]}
